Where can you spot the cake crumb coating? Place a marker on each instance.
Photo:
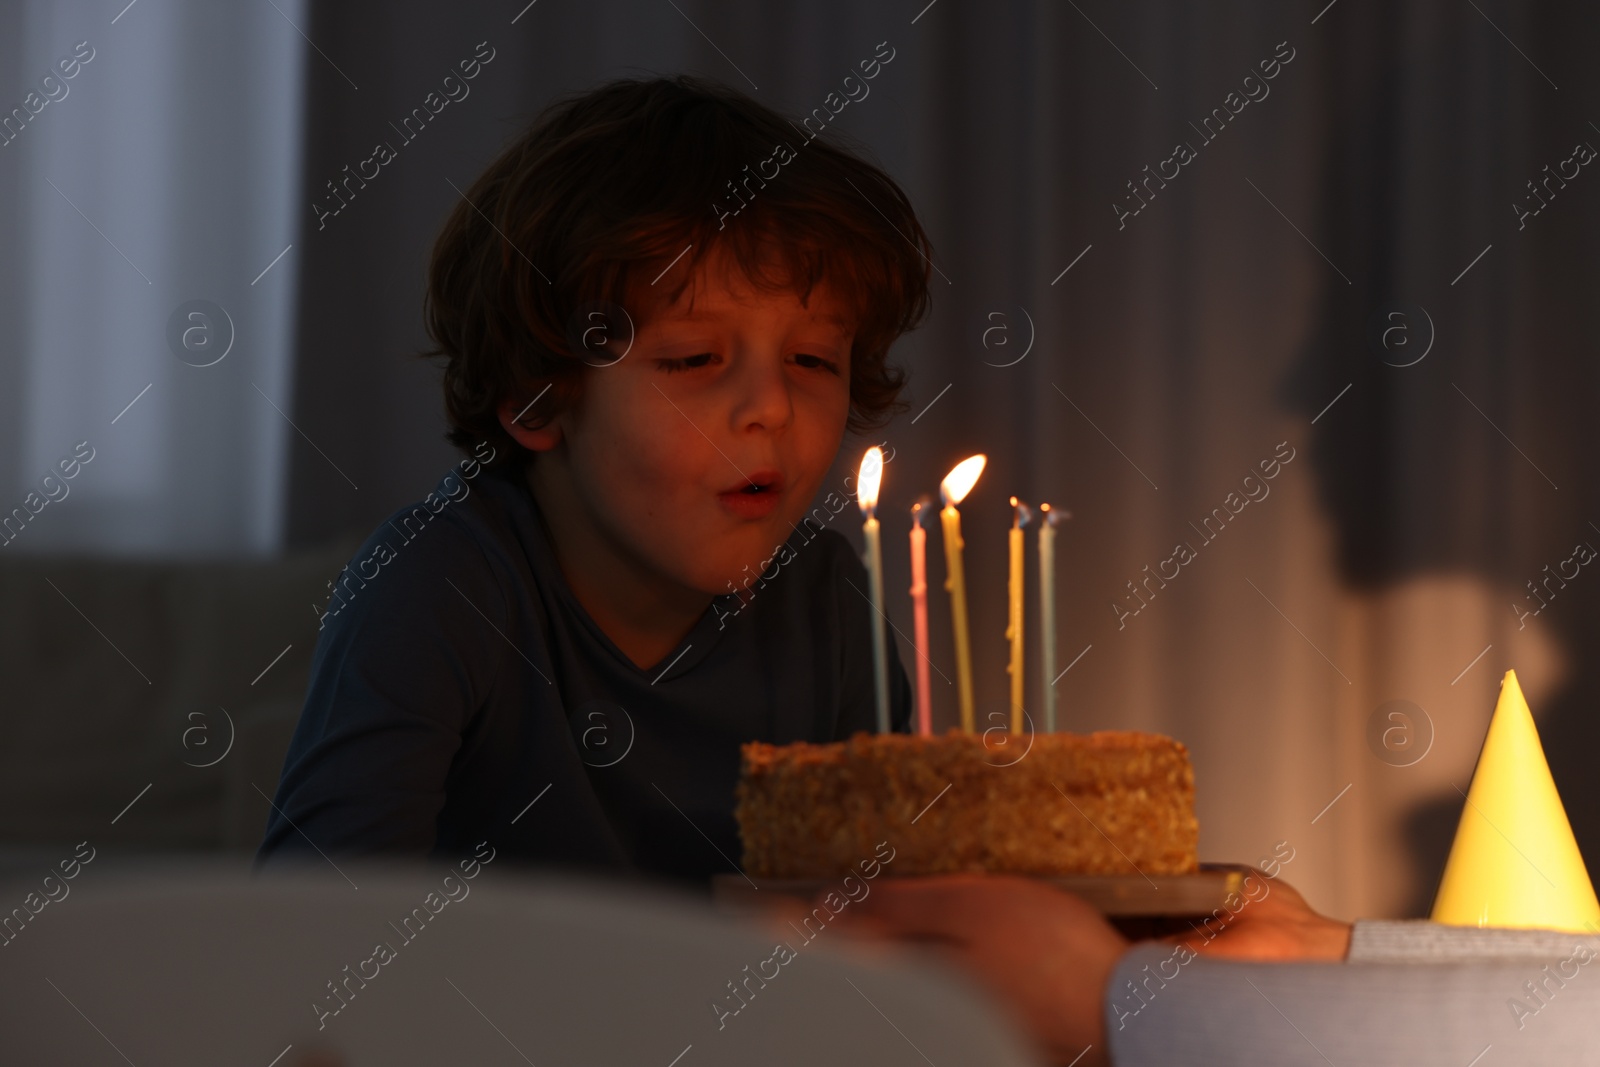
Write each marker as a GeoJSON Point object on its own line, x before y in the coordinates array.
{"type": "Point", "coordinates": [1111, 802]}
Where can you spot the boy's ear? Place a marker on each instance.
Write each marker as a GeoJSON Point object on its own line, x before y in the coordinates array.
{"type": "Point", "coordinates": [541, 439]}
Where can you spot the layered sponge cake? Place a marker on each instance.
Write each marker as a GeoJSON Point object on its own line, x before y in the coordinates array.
{"type": "Point", "coordinates": [1113, 802]}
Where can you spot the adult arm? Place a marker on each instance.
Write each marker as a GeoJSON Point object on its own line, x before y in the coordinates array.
{"type": "Point", "coordinates": [1054, 961]}
{"type": "Point", "coordinates": [1045, 955]}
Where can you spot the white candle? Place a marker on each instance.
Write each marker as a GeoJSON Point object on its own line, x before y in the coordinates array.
{"type": "Point", "coordinates": [1047, 608]}
{"type": "Point", "coordinates": [867, 481]}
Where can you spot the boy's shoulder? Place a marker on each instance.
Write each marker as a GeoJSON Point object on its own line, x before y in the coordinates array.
{"type": "Point", "coordinates": [453, 536]}
{"type": "Point", "coordinates": [480, 505]}
{"type": "Point", "coordinates": [469, 496]}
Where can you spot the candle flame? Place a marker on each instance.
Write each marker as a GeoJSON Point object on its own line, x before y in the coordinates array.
{"type": "Point", "coordinates": [924, 502]}
{"type": "Point", "coordinates": [868, 479]}
{"type": "Point", "coordinates": [962, 477]}
{"type": "Point", "coordinates": [1049, 516]}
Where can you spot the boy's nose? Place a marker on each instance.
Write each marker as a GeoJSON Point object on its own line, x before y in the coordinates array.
{"type": "Point", "coordinates": [763, 398]}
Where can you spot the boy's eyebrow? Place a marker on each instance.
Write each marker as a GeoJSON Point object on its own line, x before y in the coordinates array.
{"type": "Point", "coordinates": [843, 321]}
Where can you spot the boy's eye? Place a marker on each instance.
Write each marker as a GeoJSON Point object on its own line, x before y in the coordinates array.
{"type": "Point", "coordinates": [704, 359]}
{"type": "Point", "coordinates": [816, 362]}
{"type": "Point", "coordinates": [672, 366]}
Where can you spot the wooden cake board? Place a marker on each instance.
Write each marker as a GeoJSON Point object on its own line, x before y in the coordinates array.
{"type": "Point", "coordinates": [1114, 895]}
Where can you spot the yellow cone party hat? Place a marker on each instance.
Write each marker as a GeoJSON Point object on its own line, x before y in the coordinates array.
{"type": "Point", "coordinates": [1514, 861]}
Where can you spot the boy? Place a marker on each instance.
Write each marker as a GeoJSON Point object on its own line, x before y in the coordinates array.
{"type": "Point", "coordinates": [652, 353]}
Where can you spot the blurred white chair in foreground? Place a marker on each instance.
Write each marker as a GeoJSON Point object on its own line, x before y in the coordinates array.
{"type": "Point", "coordinates": [196, 964]}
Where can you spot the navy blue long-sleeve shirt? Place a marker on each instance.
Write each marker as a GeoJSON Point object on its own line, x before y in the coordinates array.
{"type": "Point", "coordinates": [460, 693]}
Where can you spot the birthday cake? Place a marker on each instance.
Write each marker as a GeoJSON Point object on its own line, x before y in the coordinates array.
{"type": "Point", "coordinates": [1113, 802]}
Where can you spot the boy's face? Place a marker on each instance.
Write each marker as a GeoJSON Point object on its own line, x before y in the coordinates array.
{"type": "Point", "coordinates": [730, 387]}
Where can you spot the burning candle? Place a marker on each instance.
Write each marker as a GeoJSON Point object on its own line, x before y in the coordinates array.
{"type": "Point", "coordinates": [868, 479]}
{"type": "Point", "coordinates": [954, 489]}
{"type": "Point", "coordinates": [1019, 519]}
{"type": "Point", "coordinates": [1047, 608]}
{"type": "Point", "coordinates": [919, 614]}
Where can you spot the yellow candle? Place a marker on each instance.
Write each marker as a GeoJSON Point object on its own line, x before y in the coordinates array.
{"type": "Point", "coordinates": [1019, 519]}
{"type": "Point", "coordinates": [955, 487]}
{"type": "Point", "coordinates": [1047, 611]}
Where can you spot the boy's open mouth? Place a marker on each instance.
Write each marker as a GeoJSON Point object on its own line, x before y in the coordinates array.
{"type": "Point", "coordinates": [755, 495]}
{"type": "Point", "coordinates": [763, 481]}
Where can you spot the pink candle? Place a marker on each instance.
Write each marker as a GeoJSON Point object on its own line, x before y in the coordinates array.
{"type": "Point", "coordinates": [919, 614]}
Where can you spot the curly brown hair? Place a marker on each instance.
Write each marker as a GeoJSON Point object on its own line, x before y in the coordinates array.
{"type": "Point", "coordinates": [604, 191]}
